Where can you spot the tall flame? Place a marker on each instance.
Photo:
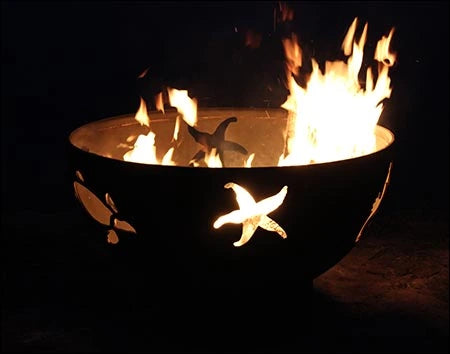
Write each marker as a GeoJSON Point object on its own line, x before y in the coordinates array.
{"type": "Point", "coordinates": [333, 117]}
{"type": "Point", "coordinates": [142, 115]}
{"type": "Point", "coordinates": [184, 104]}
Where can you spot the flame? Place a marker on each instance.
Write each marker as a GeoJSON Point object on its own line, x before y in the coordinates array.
{"type": "Point", "coordinates": [167, 159]}
{"type": "Point", "coordinates": [141, 75]}
{"type": "Point", "coordinates": [287, 14]}
{"type": "Point", "coordinates": [293, 54]}
{"type": "Point", "coordinates": [176, 129]}
{"type": "Point", "coordinates": [333, 117]}
{"type": "Point", "coordinates": [248, 162]}
{"type": "Point", "coordinates": [144, 149]}
{"type": "Point", "coordinates": [184, 104]}
{"type": "Point", "coordinates": [159, 103]}
{"type": "Point", "coordinates": [142, 115]}
{"type": "Point", "coordinates": [212, 159]}
{"type": "Point", "coordinates": [382, 53]}
{"type": "Point", "coordinates": [347, 44]}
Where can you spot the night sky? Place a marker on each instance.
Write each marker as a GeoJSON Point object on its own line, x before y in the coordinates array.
{"type": "Point", "coordinates": [68, 63]}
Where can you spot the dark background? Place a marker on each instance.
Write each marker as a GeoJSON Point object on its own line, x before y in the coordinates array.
{"type": "Point", "coordinates": [68, 63]}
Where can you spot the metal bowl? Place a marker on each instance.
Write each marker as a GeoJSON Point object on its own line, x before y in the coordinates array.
{"type": "Point", "coordinates": [162, 216]}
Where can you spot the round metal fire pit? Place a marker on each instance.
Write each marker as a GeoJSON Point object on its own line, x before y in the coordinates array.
{"type": "Point", "coordinates": [172, 208]}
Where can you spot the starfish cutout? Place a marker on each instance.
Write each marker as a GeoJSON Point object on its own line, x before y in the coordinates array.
{"type": "Point", "coordinates": [214, 141]}
{"type": "Point", "coordinates": [252, 214]}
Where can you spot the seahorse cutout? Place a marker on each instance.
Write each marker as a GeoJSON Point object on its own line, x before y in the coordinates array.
{"type": "Point", "coordinates": [99, 211]}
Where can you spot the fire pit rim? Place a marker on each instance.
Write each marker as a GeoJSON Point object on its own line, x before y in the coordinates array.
{"type": "Point", "coordinates": [384, 131]}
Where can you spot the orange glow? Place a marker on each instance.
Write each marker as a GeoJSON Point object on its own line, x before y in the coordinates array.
{"type": "Point", "coordinates": [382, 53]}
{"type": "Point", "coordinates": [159, 103]}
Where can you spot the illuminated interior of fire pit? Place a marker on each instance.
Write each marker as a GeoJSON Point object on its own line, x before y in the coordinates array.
{"type": "Point", "coordinates": [260, 131]}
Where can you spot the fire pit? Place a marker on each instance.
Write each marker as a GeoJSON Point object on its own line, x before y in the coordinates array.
{"type": "Point", "coordinates": [236, 196]}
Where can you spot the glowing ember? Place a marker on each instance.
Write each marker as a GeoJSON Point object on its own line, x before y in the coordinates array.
{"type": "Point", "coordinates": [252, 214]}
{"type": "Point", "coordinates": [333, 117]}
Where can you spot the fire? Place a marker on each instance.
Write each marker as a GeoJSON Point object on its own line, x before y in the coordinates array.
{"type": "Point", "coordinates": [248, 162]}
{"type": "Point", "coordinates": [141, 115]}
{"type": "Point", "coordinates": [333, 117]}
{"type": "Point", "coordinates": [252, 214]}
{"type": "Point", "coordinates": [159, 103]}
{"type": "Point", "coordinates": [212, 159]}
{"type": "Point", "coordinates": [184, 104]}
{"type": "Point", "coordinates": [144, 149]}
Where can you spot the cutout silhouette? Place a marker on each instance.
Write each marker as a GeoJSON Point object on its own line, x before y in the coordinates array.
{"type": "Point", "coordinates": [376, 203]}
{"type": "Point", "coordinates": [252, 214]}
{"type": "Point", "coordinates": [216, 141]}
{"type": "Point", "coordinates": [100, 212]}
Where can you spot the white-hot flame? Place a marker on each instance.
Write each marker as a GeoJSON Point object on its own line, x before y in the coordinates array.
{"type": "Point", "coordinates": [212, 159]}
{"type": "Point", "coordinates": [142, 115]}
{"type": "Point", "coordinates": [248, 162]}
{"type": "Point", "coordinates": [333, 117]}
{"type": "Point", "coordinates": [144, 149]}
{"type": "Point", "coordinates": [176, 129]}
{"type": "Point", "coordinates": [185, 105]}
